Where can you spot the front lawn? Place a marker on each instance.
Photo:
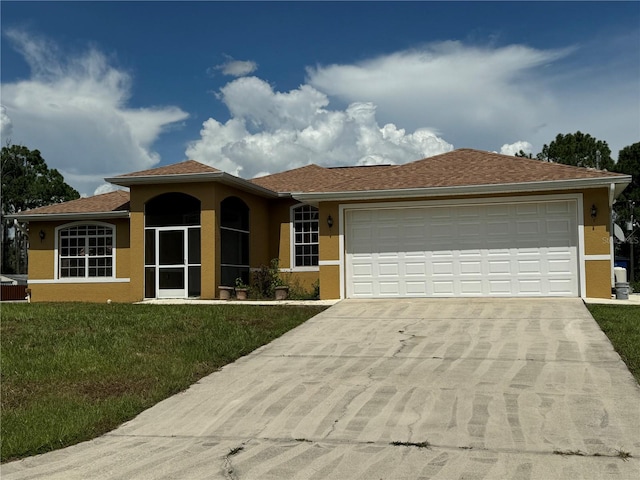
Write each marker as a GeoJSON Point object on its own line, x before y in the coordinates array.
{"type": "Point", "coordinates": [71, 372]}
{"type": "Point", "coordinates": [621, 323]}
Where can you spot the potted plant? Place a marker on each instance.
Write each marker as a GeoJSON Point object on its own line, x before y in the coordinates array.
{"type": "Point", "coordinates": [281, 292]}
{"type": "Point", "coordinates": [242, 289]}
{"type": "Point", "coordinates": [224, 292]}
{"type": "Point", "coordinates": [280, 288]}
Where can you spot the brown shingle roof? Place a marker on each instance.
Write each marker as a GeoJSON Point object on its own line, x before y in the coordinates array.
{"type": "Point", "coordinates": [106, 202]}
{"type": "Point", "coordinates": [463, 167]}
{"type": "Point", "coordinates": [313, 177]}
{"type": "Point", "coordinates": [182, 168]}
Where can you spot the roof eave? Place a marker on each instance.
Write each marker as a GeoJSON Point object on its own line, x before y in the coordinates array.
{"type": "Point", "coordinates": [46, 217]}
{"type": "Point", "coordinates": [221, 177]}
{"type": "Point", "coordinates": [619, 182]}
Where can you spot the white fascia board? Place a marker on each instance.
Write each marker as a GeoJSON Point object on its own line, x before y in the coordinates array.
{"type": "Point", "coordinates": [151, 179]}
{"type": "Point", "coordinates": [221, 177]}
{"type": "Point", "coordinates": [46, 217]}
{"type": "Point", "coordinates": [551, 185]}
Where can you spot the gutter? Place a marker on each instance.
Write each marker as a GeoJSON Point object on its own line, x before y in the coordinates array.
{"type": "Point", "coordinates": [45, 217]}
{"type": "Point", "coordinates": [618, 185]}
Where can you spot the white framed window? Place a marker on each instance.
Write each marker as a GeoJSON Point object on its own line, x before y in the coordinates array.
{"type": "Point", "coordinates": [305, 232]}
{"type": "Point", "coordinates": [85, 250]}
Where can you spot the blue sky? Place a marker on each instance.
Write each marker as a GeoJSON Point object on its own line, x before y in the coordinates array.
{"type": "Point", "coordinates": [104, 88]}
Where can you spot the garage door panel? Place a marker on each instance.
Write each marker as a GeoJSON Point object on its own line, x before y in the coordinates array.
{"type": "Point", "coordinates": [388, 269]}
{"type": "Point", "coordinates": [389, 289]}
{"type": "Point", "coordinates": [416, 289]}
{"type": "Point", "coordinates": [499, 267]}
{"type": "Point", "coordinates": [561, 227]}
{"type": "Point", "coordinates": [470, 268]}
{"type": "Point", "coordinates": [362, 289]}
{"type": "Point", "coordinates": [529, 286]}
{"type": "Point", "coordinates": [528, 266]}
{"type": "Point", "coordinates": [500, 287]}
{"type": "Point", "coordinates": [363, 270]}
{"type": "Point", "coordinates": [559, 266]}
{"type": "Point", "coordinates": [442, 268]}
{"type": "Point", "coordinates": [527, 208]}
{"type": "Point", "coordinates": [561, 287]}
{"type": "Point", "coordinates": [443, 287]}
{"type": "Point", "coordinates": [531, 227]}
{"type": "Point", "coordinates": [557, 208]}
{"type": "Point", "coordinates": [416, 268]}
{"type": "Point", "coordinates": [471, 287]}
{"type": "Point", "coordinates": [511, 249]}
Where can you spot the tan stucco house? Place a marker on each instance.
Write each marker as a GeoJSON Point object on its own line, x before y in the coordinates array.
{"type": "Point", "coordinates": [464, 223]}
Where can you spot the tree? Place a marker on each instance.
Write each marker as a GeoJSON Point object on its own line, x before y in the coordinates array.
{"type": "Point", "coordinates": [27, 183]}
{"type": "Point", "coordinates": [523, 154]}
{"type": "Point", "coordinates": [629, 200]}
{"type": "Point", "coordinates": [578, 149]}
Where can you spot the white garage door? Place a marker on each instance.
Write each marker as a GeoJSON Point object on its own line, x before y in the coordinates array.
{"type": "Point", "coordinates": [513, 249]}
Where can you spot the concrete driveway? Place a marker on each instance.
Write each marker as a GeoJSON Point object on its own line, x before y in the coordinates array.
{"type": "Point", "coordinates": [391, 389]}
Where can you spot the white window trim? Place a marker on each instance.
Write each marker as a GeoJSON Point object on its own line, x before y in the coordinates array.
{"type": "Point", "coordinates": [56, 258]}
{"type": "Point", "coordinates": [292, 244]}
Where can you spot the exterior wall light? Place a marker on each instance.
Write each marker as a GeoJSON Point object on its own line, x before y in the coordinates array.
{"type": "Point", "coordinates": [594, 212]}
{"type": "Point", "coordinates": [330, 221]}
{"type": "Point", "coordinates": [42, 235]}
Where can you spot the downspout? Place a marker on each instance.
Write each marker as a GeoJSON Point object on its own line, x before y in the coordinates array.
{"type": "Point", "coordinates": [612, 194]}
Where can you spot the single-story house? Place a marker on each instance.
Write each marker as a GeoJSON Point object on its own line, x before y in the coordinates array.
{"type": "Point", "coordinates": [464, 223]}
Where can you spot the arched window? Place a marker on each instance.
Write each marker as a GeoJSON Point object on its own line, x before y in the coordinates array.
{"type": "Point", "coordinates": [305, 232]}
{"type": "Point", "coordinates": [234, 241]}
{"type": "Point", "coordinates": [172, 209]}
{"type": "Point", "coordinates": [86, 250]}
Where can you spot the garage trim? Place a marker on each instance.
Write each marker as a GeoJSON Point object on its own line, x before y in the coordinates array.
{"type": "Point", "coordinates": [577, 198]}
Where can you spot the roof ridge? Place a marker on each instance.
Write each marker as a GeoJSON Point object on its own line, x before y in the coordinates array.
{"type": "Point", "coordinates": [177, 168]}
{"type": "Point", "coordinates": [288, 171]}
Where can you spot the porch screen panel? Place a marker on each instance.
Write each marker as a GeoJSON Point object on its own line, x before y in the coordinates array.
{"type": "Point", "coordinates": [234, 239]}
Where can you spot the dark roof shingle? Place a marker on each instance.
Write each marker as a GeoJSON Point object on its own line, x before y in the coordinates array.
{"type": "Point", "coordinates": [183, 168]}
{"type": "Point", "coordinates": [106, 202]}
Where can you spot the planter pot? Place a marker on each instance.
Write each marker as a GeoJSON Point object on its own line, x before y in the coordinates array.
{"type": "Point", "coordinates": [241, 293]}
{"type": "Point", "coordinates": [225, 293]}
{"type": "Point", "coordinates": [281, 293]}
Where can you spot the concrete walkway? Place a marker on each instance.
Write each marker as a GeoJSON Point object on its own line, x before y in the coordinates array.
{"type": "Point", "coordinates": [391, 389]}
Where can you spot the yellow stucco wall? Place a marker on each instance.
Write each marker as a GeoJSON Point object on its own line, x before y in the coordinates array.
{"type": "Point", "coordinates": [597, 241]}
{"type": "Point", "coordinates": [598, 273]}
{"type": "Point", "coordinates": [81, 292]}
{"type": "Point", "coordinates": [596, 231]}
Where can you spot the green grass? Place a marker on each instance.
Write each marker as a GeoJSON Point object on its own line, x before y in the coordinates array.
{"type": "Point", "coordinates": [621, 323]}
{"type": "Point", "coordinates": [71, 372]}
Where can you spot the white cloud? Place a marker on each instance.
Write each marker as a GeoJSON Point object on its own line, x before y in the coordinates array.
{"type": "Point", "coordinates": [469, 93]}
{"type": "Point", "coordinates": [106, 188]}
{"type": "Point", "coordinates": [481, 97]}
{"type": "Point", "coordinates": [273, 131]}
{"type": "Point", "coordinates": [6, 126]}
{"type": "Point", "coordinates": [74, 110]}
{"type": "Point", "coordinates": [513, 148]}
{"type": "Point", "coordinates": [235, 68]}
